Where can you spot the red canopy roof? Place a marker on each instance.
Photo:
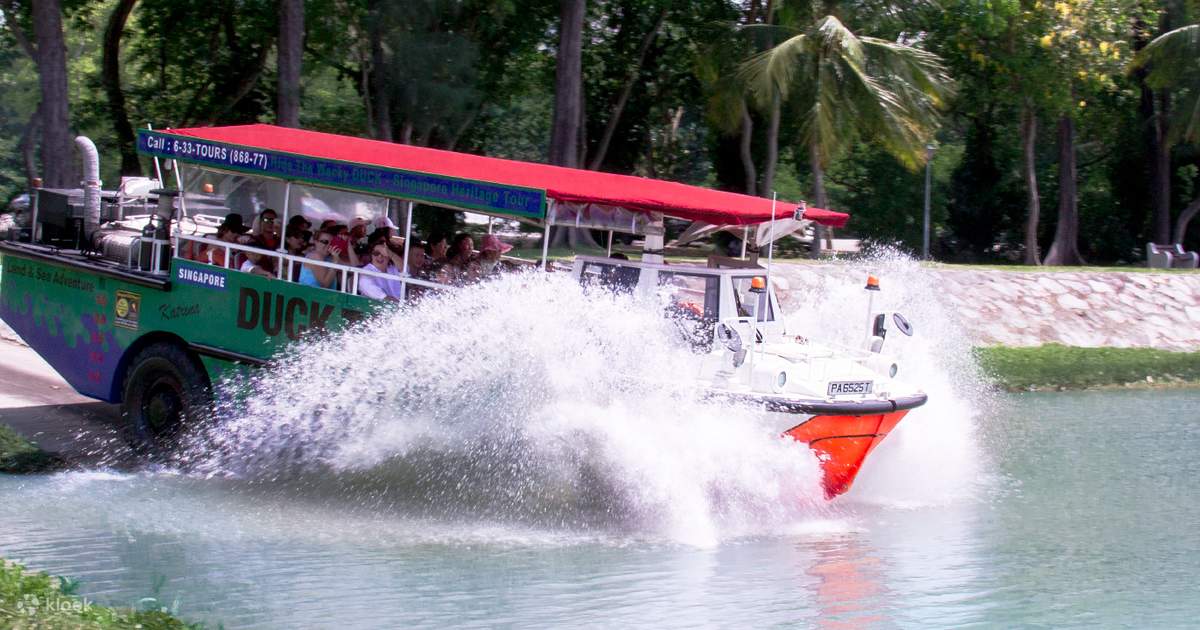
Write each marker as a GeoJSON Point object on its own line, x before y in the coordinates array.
{"type": "Point", "coordinates": [692, 203]}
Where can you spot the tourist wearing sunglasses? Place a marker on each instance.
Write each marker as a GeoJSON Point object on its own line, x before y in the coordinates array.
{"type": "Point", "coordinates": [323, 251]}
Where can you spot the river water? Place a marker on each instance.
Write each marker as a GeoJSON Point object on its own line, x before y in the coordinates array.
{"type": "Point", "coordinates": [503, 472]}
{"type": "Point", "coordinates": [1088, 518]}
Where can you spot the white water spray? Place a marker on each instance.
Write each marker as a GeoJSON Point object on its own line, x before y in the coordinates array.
{"type": "Point", "coordinates": [521, 399]}
{"type": "Point", "coordinates": [528, 401]}
{"type": "Point", "coordinates": [933, 456]}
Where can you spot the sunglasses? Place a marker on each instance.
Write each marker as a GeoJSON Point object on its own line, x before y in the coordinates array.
{"type": "Point", "coordinates": [271, 220]}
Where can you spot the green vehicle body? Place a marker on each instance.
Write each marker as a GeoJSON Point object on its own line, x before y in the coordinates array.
{"type": "Point", "coordinates": [88, 323]}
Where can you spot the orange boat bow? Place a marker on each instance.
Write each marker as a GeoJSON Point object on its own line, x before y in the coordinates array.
{"type": "Point", "coordinates": [843, 442]}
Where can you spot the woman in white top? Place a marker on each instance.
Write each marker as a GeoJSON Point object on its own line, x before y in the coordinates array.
{"type": "Point", "coordinates": [383, 260]}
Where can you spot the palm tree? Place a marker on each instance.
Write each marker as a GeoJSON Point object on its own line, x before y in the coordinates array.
{"type": "Point", "coordinates": [849, 86]}
{"type": "Point", "coordinates": [1174, 61]}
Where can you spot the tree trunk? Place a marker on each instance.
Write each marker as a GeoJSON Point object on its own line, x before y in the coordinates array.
{"type": "Point", "coordinates": [382, 127]}
{"type": "Point", "coordinates": [1188, 214]}
{"type": "Point", "coordinates": [1065, 248]}
{"type": "Point", "coordinates": [1160, 167]}
{"type": "Point", "coordinates": [111, 78]}
{"type": "Point", "coordinates": [1029, 171]}
{"type": "Point", "coordinates": [819, 198]}
{"type": "Point", "coordinates": [28, 146]}
{"type": "Point", "coordinates": [568, 106]}
{"type": "Point", "coordinates": [744, 150]}
{"type": "Point", "coordinates": [768, 182]}
{"type": "Point", "coordinates": [619, 107]}
{"type": "Point", "coordinates": [289, 57]}
{"type": "Point", "coordinates": [568, 86]}
{"type": "Point", "coordinates": [57, 165]}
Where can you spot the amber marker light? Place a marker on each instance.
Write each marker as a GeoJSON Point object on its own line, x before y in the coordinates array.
{"type": "Point", "coordinates": [872, 283]}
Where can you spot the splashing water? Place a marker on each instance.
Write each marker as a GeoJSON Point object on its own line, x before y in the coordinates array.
{"type": "Point", "coordinates": [933, 456]}
{"type": "Point", "coordinates": [526, 400]}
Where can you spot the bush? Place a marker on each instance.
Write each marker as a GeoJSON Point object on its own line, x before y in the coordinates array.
{"type": "Point", "coordinates": [36, 600]}
{"type": "Point", "coordinates": [18, 455]}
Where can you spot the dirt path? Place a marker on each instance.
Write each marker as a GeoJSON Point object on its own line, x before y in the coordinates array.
{"type": "Point", "coordinates": [40, 405]}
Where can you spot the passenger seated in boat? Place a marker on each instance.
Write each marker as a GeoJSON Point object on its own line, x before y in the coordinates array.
{"type": "Point", "coordinates": [435, 251]}
{"type": "Point", "coordinates": [299, 220]}
{"type": "Point", "coordinates": [416, 260]}
{"type": "Point", "coordinates": [342, 247]}
{"type": "Point", "coordinates": [461, 266]}
{"type": "Point", "coordinates": [266, 228]}
{"type": "Point", "coordinates": [228, 231]}
{"type": "Point", "coordinates": [297, 241]}
{"type": "Point", "coordinates": [257, 263]}
{"type": "Point", "coordinates": [490, 251]}
{"type": "Point", "coordinates": [317, 275]}
{"type": "Point", "coordinates": [383, 260]}
{"type": "Point", "coordinates": [357, 235]}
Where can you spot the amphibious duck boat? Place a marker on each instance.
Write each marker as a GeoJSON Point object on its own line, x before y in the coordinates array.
{"type": "Point", "coordinates": [108, 289]}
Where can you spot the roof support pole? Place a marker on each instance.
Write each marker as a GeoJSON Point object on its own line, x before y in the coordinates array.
{"type": "Point", "coordinates": [182, 206]}
{"type": "Point", "coordinates": [546, 237]}
{"type": "Point", "coordinates": [408, 205]}
{"type": "Point", "coordinates": [610, 237]}
{"type": "Point", "coordinates": [652, 247]}
{"type": "Point", "coordinates": [287, 203]}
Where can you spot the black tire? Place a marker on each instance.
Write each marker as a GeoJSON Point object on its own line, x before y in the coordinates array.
{"type": "Point", "coordinates": [166, 391]}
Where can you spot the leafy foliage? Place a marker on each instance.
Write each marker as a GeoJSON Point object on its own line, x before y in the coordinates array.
{"type": "Point", "coordinates": [864, 82]}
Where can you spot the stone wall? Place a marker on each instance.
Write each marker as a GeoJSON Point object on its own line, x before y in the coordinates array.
{"type": "Point", "coordinates": [1092, 309]}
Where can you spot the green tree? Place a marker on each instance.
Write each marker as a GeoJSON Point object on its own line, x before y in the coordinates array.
{"type": "Point", "coordinates": [1173, 59]}
{"type": "Point", "coordinates": [848, 86]}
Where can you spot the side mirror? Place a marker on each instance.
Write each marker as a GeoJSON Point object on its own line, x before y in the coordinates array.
{"type": "Point", "coordinates": [879, 329]}
{"type": "Point", "coordinates": [901, 324]}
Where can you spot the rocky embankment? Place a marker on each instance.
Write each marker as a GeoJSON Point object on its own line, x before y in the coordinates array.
{"type": "Point", "coordinates": [1086, 309]}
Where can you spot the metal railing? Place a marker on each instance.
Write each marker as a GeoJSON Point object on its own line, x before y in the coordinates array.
{"type": "Point", "coordinates": [348, 276]}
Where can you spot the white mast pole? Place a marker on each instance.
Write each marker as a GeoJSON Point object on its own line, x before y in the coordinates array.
{"type": "Point", "coordinates": [770, 256]}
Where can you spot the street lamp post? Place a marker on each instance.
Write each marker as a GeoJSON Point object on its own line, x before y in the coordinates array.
{"type": "Point", "coordinates": [929, 149]}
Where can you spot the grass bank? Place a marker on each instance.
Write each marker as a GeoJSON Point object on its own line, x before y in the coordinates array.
{"type": "Point", "coordinates": [18, 455]}
{"type": "Point", "coordinates": [1055, 367]}
{"type": "Point", "coordinates": [31, 600]}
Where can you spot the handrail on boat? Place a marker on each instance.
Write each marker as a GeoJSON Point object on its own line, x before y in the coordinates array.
{"type": "Point", "coordinates": [347, 272]}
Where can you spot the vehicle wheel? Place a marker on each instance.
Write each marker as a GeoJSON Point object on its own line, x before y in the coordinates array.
{"type": "Point", "coordinates": [165, 392]}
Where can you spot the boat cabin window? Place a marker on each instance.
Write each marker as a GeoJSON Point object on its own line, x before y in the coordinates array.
{"type": "Point", "coordinates": [750, 303]}
{"type": "Point", "coordinates": [610, 276]}
{"type": "Point", "coordinates": [693, 302]}
{"type": "Point", "coordinates": [698, 294]}
{"type": "Point", "coordinates": [218, 193]}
